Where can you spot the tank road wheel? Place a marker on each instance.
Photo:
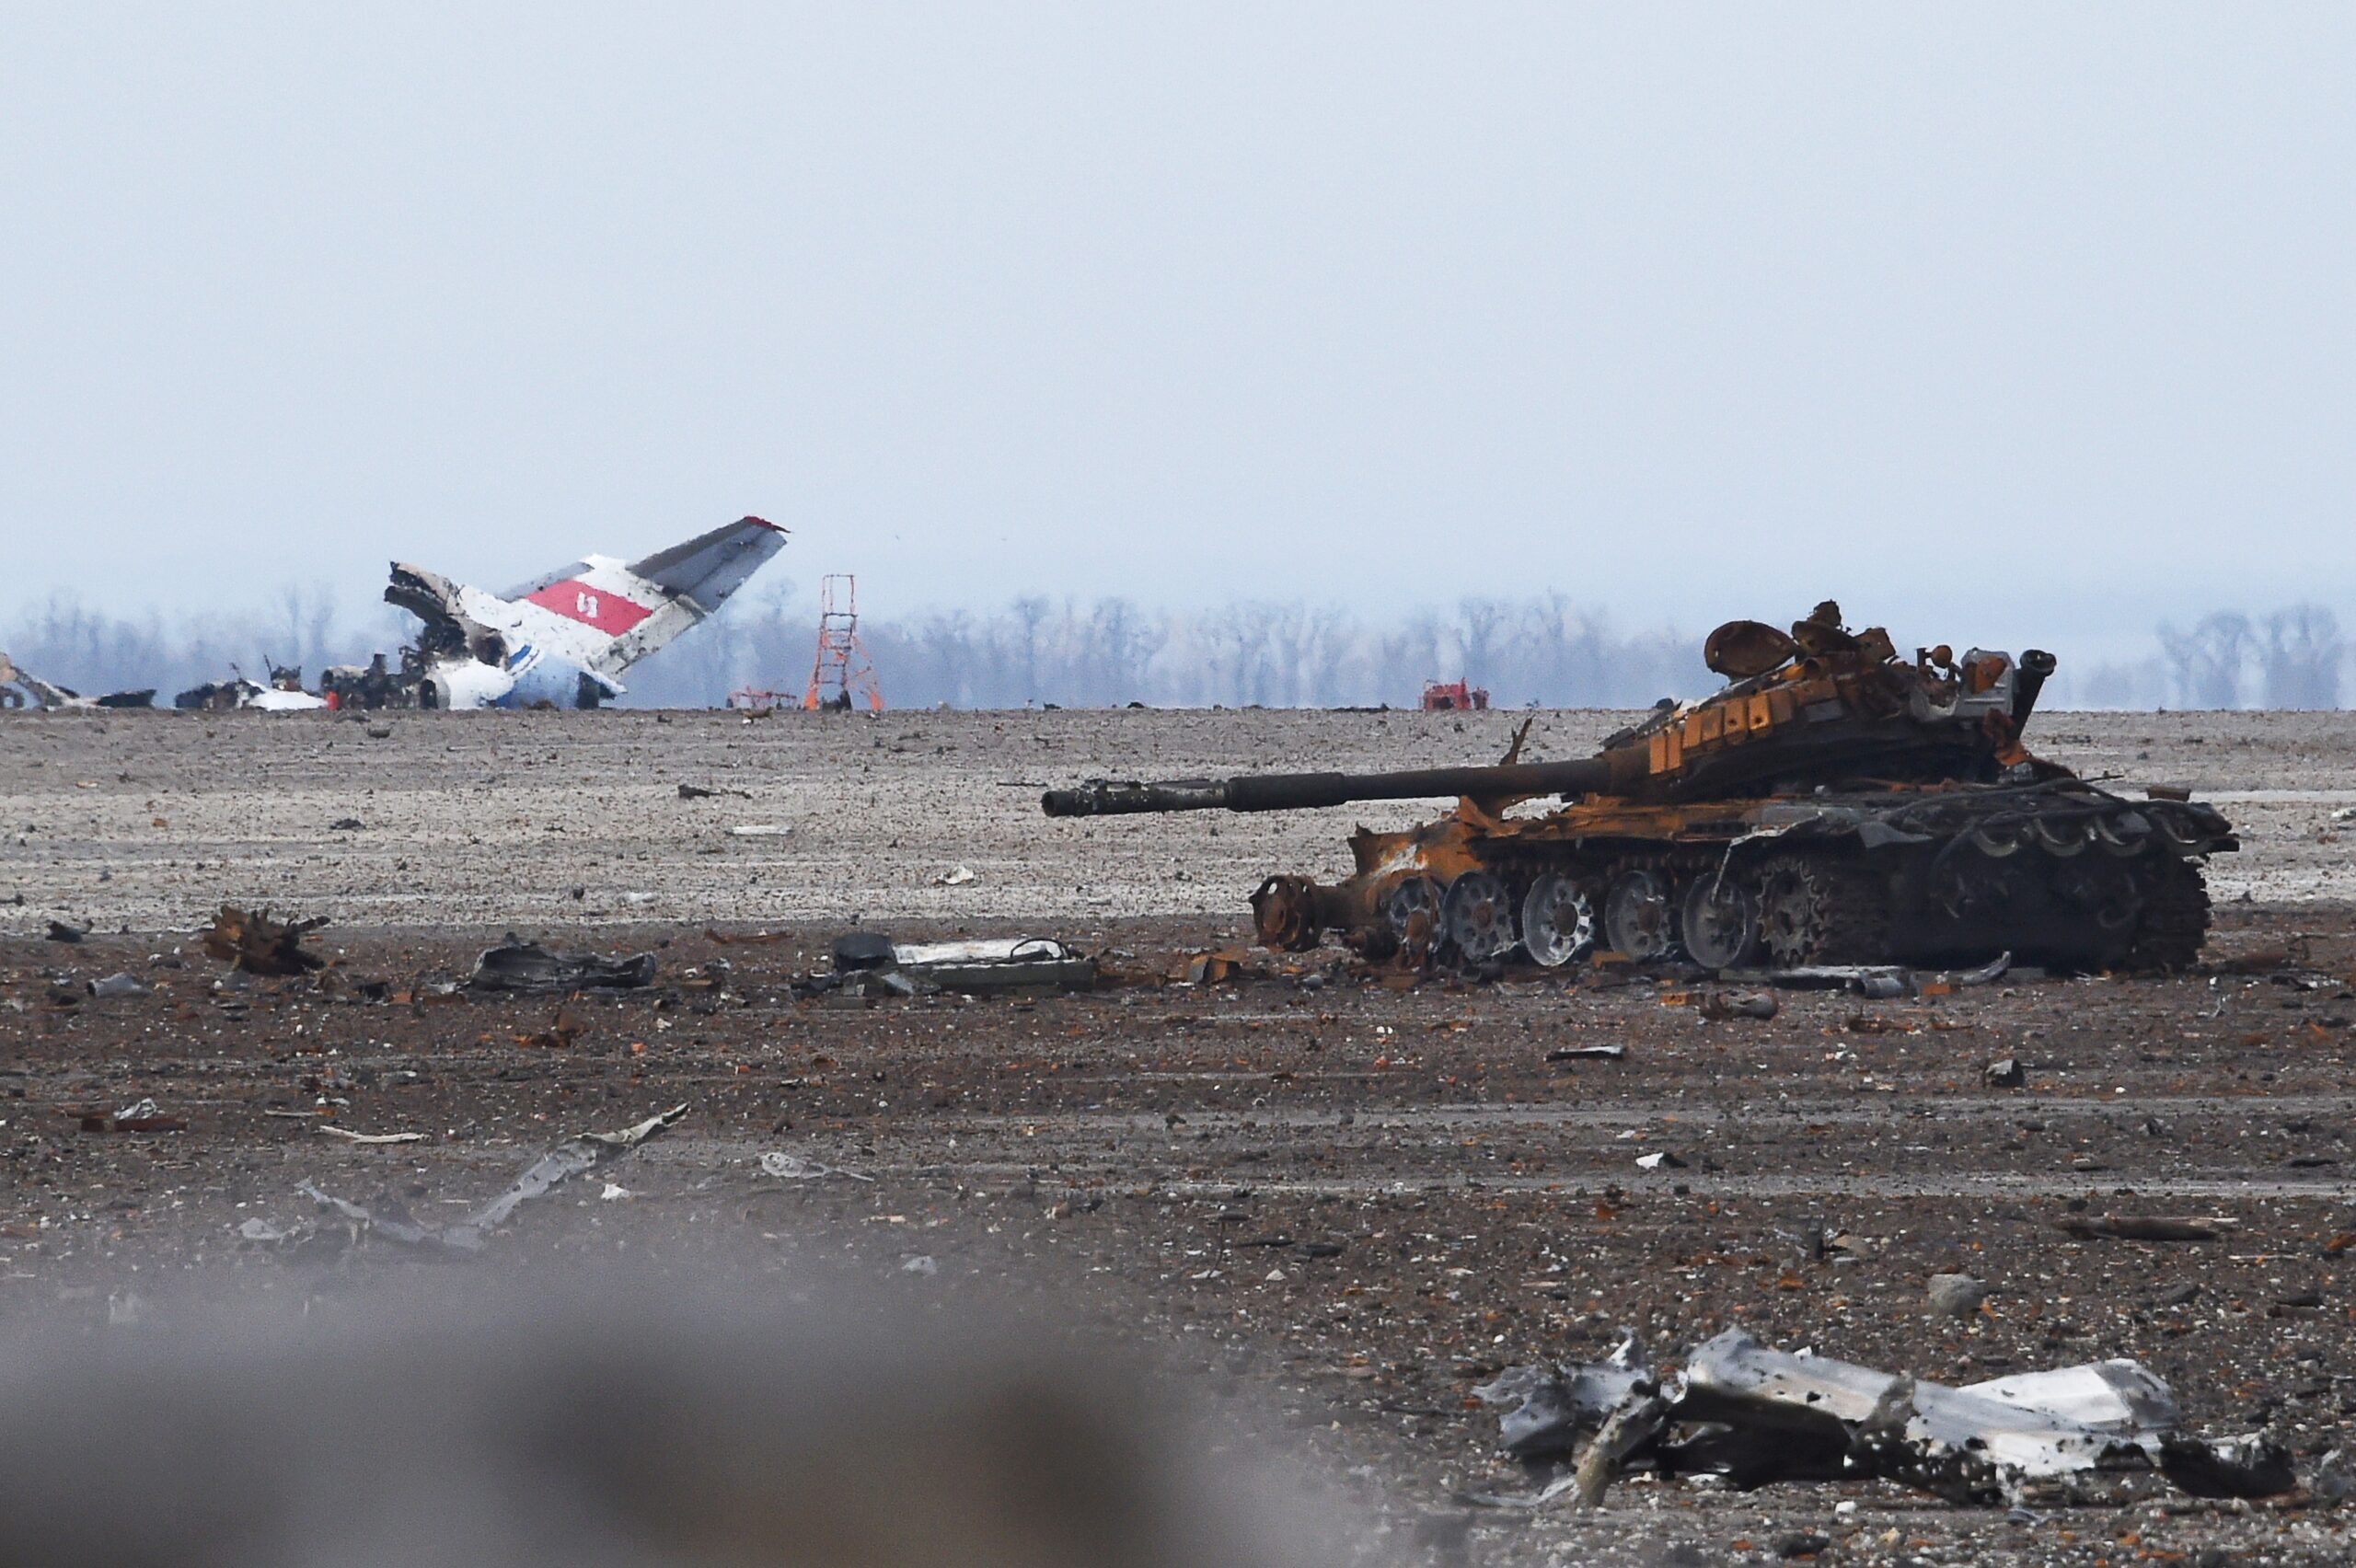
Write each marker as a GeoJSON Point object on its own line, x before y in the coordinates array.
{"type": "Point", "coordinates": [1477, 916]}
{"type": "Point", "coordinates": [1639, 916]}
{"type": "Point", "coordinates": [1557, 921]}
{"type": "Point", "coordinates": [1285, 912]}
{"type": "Point", "coordinates": [2062, 839]}
{"type": "Point", "coordinates": [2125, 836]}
{"type": "Point", "coordinates": [2105, 891]}
{"type": "Point", "coordinates": [1413, 910]}
{"type": "Point", "coordinates": [1718, 921]}
{"type": "Point", "coordinates": [1813, 911]}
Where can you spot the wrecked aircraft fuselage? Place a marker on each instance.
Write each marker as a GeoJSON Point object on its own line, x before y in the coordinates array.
{"type": "Point", "coordinates": [564, 639]}
{"type": "Point", "coordinates": [1833, 804]}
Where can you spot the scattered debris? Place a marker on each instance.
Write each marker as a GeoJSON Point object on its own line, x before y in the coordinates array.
{"type": "Point", "coordinates": [1987, 973]}
{"type": "Point", "coordinates": [572, 1158]}
{"type": "Point", "coordinates": [855, 951]}
{"type": "Point", "coordinates": [59, 931]}
{"type": "Point", "coordinates": [956, 876]}
{"type": "Point", "coordinates": [117, 986]}
{"type": "Point", "coordinates": [869, 963]}
{"type": "Point", "coordinates": [1718, 1005]}
{"type": "Point", "coordinates": [1587, 1052]}
{"type": "Point", "coordinates": [143, 1116]}
{"type": "Point", "coordinates": [762, 830]}
{"type": "Point", "coordinates": [348, 1135]}
{"type": "Point", "coordinates": [700, 792]}
{"type": "Point", "coordinates": [1637, 1423]}
{"type": "Point", "coordinates": [1007, 964]}
{"type": "Point", "coordinates": [256, 943]}
{"type": "Point", "coordinates": [1552, 1409]}
{"type": "Point", "coordinates": [261, 1231]}
{"type": "Point", "coordinates": [529, 969]}
{"type": "Point", "coordinates": [1215, 968]}
{"type": "Point", "coordinates": [2144, 1227]}
{"type": "Point", "coordinates": [1659, 1159]}
{"type": "Point", "coordinates": [565, 1028]}
{"type": "Point", "coordinates": [2005, 1072]}
{"type": "Point", "coordinates": [1878, 982]}
{"type": "Point", "coordinates": [794, 1167]}
{"type": "Point", "coordinates": [920, 1265]}
{"type": "Point", "coordinates": [727, 939]}
{"type": "Point", "coordinates": [1955, 1295]}
{"type": "Point", "coordinates": [44, 695]}
{"type": "Point", "coordinates": [1756, 1416]}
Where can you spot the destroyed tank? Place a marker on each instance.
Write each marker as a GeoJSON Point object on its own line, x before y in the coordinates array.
{"type": "Point", "coordinates": [1833, 803]}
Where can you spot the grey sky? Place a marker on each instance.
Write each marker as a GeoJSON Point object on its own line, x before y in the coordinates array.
{"type": "Point", "coordinates": [1684, 312]}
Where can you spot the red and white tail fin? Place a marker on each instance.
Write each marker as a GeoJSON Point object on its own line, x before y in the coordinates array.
{"type": "Point", "coordinates": [605, 615]}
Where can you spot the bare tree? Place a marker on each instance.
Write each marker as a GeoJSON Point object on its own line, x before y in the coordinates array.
{"type": "Point", "coordinates": [1030, 614]}
{"type": "Point", "coordinates": [2302, 657]}
{"type": "Point", "coordinates": [1477, 624]}
{"type": "Point", "coordinates": [2210, 660]}
{"type": "Point", "coordinates": [1120, 645]}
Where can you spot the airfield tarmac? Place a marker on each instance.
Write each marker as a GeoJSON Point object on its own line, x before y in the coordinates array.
{"type": "Point", "coordinates": [1331, 1205]}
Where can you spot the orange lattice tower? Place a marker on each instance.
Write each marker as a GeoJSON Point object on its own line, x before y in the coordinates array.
{"type": "Point", "coordinates": [841, 663]}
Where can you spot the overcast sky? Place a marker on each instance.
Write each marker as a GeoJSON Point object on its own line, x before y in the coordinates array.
{"type": "Point", "coordinates": [1686, 313]}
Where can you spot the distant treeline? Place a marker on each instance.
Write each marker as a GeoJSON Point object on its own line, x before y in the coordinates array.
{"type": "Point", "coordinates": [1109, 652]}
{"type": "Point", "coordinates": [64, 642]}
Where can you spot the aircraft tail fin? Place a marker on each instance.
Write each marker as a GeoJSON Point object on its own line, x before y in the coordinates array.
{"type": "Point", "coordinates": [710, 567]}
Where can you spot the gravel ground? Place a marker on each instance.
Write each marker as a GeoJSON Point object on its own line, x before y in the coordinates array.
{"type": "Point", "coordinates": [1331, 1205]}
{"type": "Point", "coordinates": [147, 821]}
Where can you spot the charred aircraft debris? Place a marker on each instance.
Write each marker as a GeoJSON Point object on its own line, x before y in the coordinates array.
{"type": "Point", "coordinates": [1832, 804]}
{"type": "Point", "coordinates": [21, 689]}
{"type": "Point", "coordinates": [563, 640]}
{"type": "Point", "coordinates": [1753, 1417]}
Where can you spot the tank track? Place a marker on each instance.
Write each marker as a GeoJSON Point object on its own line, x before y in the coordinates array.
{"type": "Point", "coordinates": [1825, 902]}
{"type": "Point", "coordinates": [2175, 920]}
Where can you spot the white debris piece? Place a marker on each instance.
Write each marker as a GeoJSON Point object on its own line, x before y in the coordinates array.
{"type": "Point", "coordinates": [348, 1135]}
{"type": "Point", "coordinates": [794, 1167]}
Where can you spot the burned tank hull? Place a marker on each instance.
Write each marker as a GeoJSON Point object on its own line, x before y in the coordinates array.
{"type": "Point", "coordinates": [2057, 872]}
{"type": "Point", "coordinates": [1833, 804]}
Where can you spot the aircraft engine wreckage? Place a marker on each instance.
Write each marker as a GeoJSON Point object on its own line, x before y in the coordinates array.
{"type": "Point", "coordinates": [1833, 804]}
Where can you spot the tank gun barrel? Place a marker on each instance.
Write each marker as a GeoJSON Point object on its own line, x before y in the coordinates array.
{"type": "Point", "coordinates": [1305, 791]}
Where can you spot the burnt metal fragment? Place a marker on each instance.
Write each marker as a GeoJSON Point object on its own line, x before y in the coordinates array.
{"type": "Point", "coordinates": [1754, 1416]}
{"type": "Point", "coordinates": [254, 942]}
{"type": "Point", "coordinates": [529, 969]}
